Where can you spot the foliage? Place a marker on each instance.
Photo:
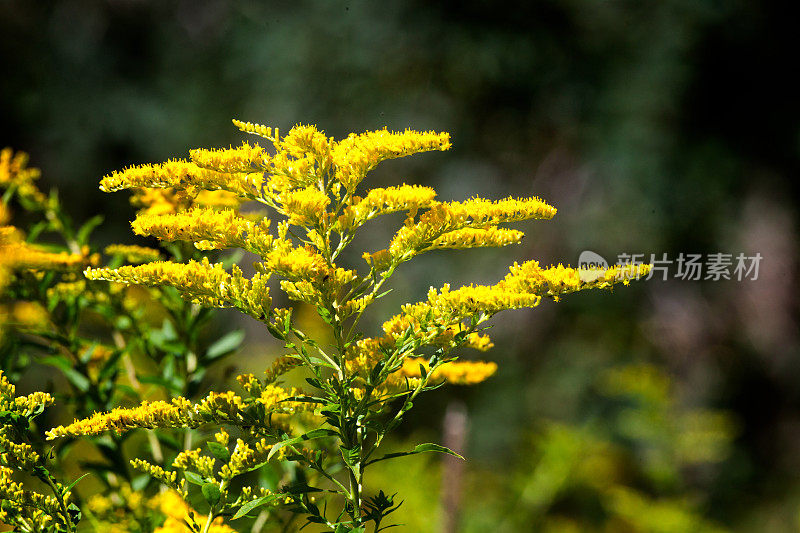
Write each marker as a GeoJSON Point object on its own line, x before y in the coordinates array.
{"type": "Point", "coordinates": [629, 471]}
{"type": "Point", "coordinates": [321, 439]}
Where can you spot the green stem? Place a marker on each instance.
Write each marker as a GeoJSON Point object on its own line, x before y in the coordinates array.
{"type": "Point", "coordinates": [386, 275]}
{"type": "Point", "coordinates": [212, 512]}
{"type": "Point", "coordinates": [61, 504]}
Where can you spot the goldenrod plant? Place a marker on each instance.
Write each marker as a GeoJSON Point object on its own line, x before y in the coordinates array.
{"type": "Point", "coordinates": [94, 334]}
{"type": "Point", "coordinates": [319, 440]}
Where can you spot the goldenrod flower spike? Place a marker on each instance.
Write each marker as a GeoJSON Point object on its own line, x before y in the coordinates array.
{"type": "Point", "coordinates": [246, 458]}
{"type": "Point", "coordinates": [305, 207]}
{"type": "Point", "coordinates": [558, 280]}
{"type": "Point", "coordinates": [381, 201]}
{"type": "Point", "coordinates": [356, 155]}
{"type": "Point", "coordinates": [257, 129]}
{"type": "Point", "coordinates": [524, 286]}
{"type": "Point", "coordinates": [459, 225]}
{"type": "Point", "coordinates": [181, 174]}
{"type": "Point", "coordinates": [173, 505]}
{"type": "Point", "coordinates": [178, 413]}
{"type": "Point", "coordinates": [166, 201]}
{"type": "Point", "coordinates": [303, 141]}
{"type": "Point", "coordinates": [14, 172]}
{"type": "Point", "coordinates": [132, 253]}
{"type": "Point", "coordinates": [246, 158]}
{"type": "Point", "coordinates": [35, 507]}
{"type": "Point", "coordinates": [482, 212]}
{"type": "Point", "coordinates": [219, 407]}
{"type": "Point", "coordinates": [200, 282]}
{"type": "Point", "coordinates": [13, 454]}
{"type": "Point", "coordinates": [215, 228]}
{"type": "Point", "coordinates": [453, 372]}
{"type": "Point", "coordinates": [478, 238]}
{"type": "Point", "coordinates": [23, 256]}
{"type": "Point", "coordinates": [169, 479]}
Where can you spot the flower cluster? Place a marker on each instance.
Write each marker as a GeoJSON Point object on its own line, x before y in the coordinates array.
{"type": "Point", "coordinates": [313, 188]}
{"type": "Point", "coordinates": [220, 408]}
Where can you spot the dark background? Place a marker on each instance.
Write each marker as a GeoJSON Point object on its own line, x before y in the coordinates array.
{"type": "Point", "coordinates": [668, 127]}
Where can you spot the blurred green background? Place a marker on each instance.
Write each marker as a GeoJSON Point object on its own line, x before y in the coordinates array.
{"type": "Point", "coordinates": [654, 127]}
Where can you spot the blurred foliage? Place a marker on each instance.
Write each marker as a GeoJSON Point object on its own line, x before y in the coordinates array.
{"type": "Point", "coordinates": [634, 469]}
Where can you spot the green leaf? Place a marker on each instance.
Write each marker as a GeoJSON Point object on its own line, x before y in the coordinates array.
{"type": "Point", "coordinates": [69, 487]}
{"type": "Point", "coordinates": [325, 314]}
{"type": "Point", "coordinates": [211, 493]}
{"type": "Point", "coordinates": [314, 434]}
{"type": "Point", "coordinates": [384, 293]}
{"type": "Point", "coordinates": [220, 452]}
{"type": "Point", "coordinates": [194, 478]}
{"type": "Point", "coordinates": [269, 478]}
{"type": "Point", "coordinates": [307, 399]}
{"type": "Point", "coordinates": [74, 513]}
{"type": "Point", "coordinates": [351, 456]}
{"type": "Point", "coordinates": [300, 487]}
{"type": "Point", "coordinates": [78, 380]}
{"type": "Point", "coordinates": [83, 234]}
{"type": "Point", "coordinates": [169, 384]}
{"type": "Point", "coordinates": [110, 366]}
{"type": "Point", "coordinates": [36, 230]}
{"type": "Point", "coordinates": [419, 448]}
{"type": "Point", "coordinates": [431, 447]}
{"type": "Point", "coordinates": [249, 506]}
{"type": "Point", "coordinates": [341, 528]}
{"type": "Point", "coordinates": [140, 482]}
{"type": "Point", "coordinates": [226, 345]}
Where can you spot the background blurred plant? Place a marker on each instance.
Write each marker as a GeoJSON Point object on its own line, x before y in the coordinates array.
{"type": "Point", "coordinates": [95, 334]}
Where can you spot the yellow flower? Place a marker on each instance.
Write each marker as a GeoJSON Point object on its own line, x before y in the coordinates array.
{"type": "Point", "coordinates": [356, 155]}
{"type": "Point", "coordinates": [181, 174]}
{"type": "Point", "coordinates": [381, 201]}
{"type": "Point", "coordinates": [14, 172]}
{"type": "Point", "coordinates": [166, 201]}
{"type": "Point", "coordinates": [215, 228]}
{"type": "Point", "coordinates": [305, 207]}
{"type": "Point", "coordinates": [302, 141]}
{"type": "Point", "coordinates": [246, 458]}
{"type": "Point", "coordinates": [558, 280]}
{"type": "Point", "coordinates": [175, 414]}
{"type": "Point", "coordinates": [219, 407]}
{"type": "Point", "coordinates": [195, 460]}
{"type": "Point", "coordinates": [478, 237]}
{"type": "Point", "coordinates": [23, 256]}
{"type": "Point", "coordinates": [30, 314]}
{"type": "Point", "coordinates": [453, 372]}
{"type": "Point", "coordinates": [246, 158]}
{"type": "Point", "coordinates": [256, 129]}
{"type": "Point", "coordinates": [177, 511]}
{"type": "Point", "coordinates": [168, 478]}
{"type": "Point", "coordinates": [483, 212]}
{"type": "Point", "coordinates": [199, 282]}
{"type": "Point", "coordinates": [132, 253]}
{"type": "Point", "coordinates": [459, 225]}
